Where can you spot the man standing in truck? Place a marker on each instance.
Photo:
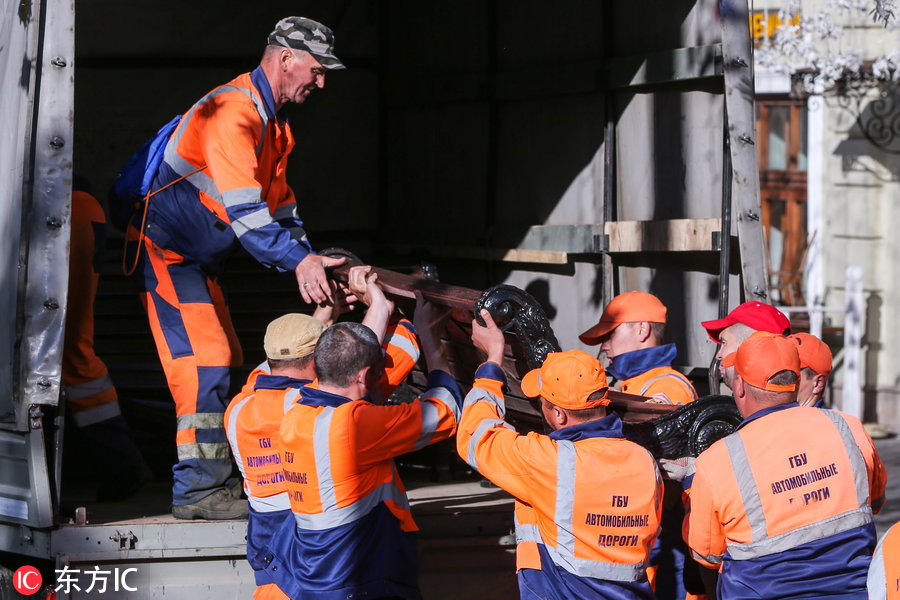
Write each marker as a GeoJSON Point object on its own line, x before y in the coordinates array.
{"type": "Point", "coordinates": [222, 183]}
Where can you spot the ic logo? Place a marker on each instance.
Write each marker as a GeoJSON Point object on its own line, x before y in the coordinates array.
{"type": "Point", "coordinates": [27, 580]}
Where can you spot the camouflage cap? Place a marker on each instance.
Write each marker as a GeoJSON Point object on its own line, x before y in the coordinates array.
{"type": "Point", "coordinates": [301, 33]}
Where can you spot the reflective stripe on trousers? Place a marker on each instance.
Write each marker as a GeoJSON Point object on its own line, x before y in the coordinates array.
{"type": "Point", "coordinates": [332, 515]}
{"type": "Point", "coordinates": [200, 449]}
{"type": "Point", "coordinates": [762, 544]}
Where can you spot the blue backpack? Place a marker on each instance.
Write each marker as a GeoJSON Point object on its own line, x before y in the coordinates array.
{"type": "Point", "coordinates": [131, 188]}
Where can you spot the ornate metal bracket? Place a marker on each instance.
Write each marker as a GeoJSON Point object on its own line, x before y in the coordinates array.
{"type": "Point", "coordinates": [878, 119]}
{"type": "Point", "coordinates": [517, 312]}
{"type": "Point", "coordinates": [689, 430]}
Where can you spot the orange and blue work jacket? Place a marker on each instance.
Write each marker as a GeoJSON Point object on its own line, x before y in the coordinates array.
{"type": "Point", "coordinates": [252, 422]}
{"type": "Point", "coordinates": [353, 533]}
{"type": "Point", "coordinates": [234, 135]}
{"type": "Point", "coordinates": [884, 572]}
{"type": "Point", "coordinates": [588, 501]}
{"type": "Point", "coordinates": [783, 506]}
{"type": "Point", "coordinates": [649, 371]}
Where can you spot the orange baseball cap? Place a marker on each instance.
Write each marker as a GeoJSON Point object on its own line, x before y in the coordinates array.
{"type": "Point", "coordinates": [814, 353]}
{"type": "Point", "coordinates": [567, 379]}
{"type": "Point", "coordinates": [761, 356]}
{"type": "Point", "coordinates": [630, 307]}
{"type": "Point", "coordinates": [756, 315]}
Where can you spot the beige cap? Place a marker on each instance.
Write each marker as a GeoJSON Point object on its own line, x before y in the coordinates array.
{"type": "Point", "coordinates": [293, 335]}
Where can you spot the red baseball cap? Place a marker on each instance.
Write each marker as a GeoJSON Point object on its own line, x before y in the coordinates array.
{"type": "Point", "coordinates": [630, 307]}
{"type": "Point", "coordinates": [814, 353]}
{"type": "Point", "coordinates": [755, 315]}
{"type": "Point", "coordinates": [567, 379]}
{"type": "Point", "coordinates": [761, 356]}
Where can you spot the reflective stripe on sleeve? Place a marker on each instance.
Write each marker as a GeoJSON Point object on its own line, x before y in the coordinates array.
{"type": "Point", "coordinates": [83, 390]}
{"type": "Point", "coordinates": [405, 344]}
{"type": "Point", "coordinates": [445, 397]}
{"type": "Point", "coordinates": [478, 394]}
{"type": "Point", "coordinates": [251, 195]}
{"type": "Point", "coordinates": [431, 418]}
{"type": "Point", "coordinates": [279, 501]}
{"type": "Point", "coordinates": [98, 414]}
{"type": "Point", "coordinates": [335, 516]}
{"type": "Point", "coordinates": [252, 221]}
{"type": "Point", "coordinates": [482, 428]}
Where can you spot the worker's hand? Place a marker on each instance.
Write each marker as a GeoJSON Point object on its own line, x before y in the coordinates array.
{"type": "Point", "coordinates": [329, 311]}
{"type": "Point", "coordinates": [363, 283]}
{"type": "Point", "coordinates": [311, 278]}
{"type": "Point", "coordinates": [676, 469]}
{"type": "Point", "coordinates": [659, 398]}
{"type": "Point", "coordinates": [488, 338]}
{"type": "Point", "coordinates": [356, 279]}
{"type": "Point", "coordinates": [430, 321]}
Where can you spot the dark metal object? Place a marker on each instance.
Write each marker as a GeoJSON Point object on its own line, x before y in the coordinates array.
{"type": "Point", "coordinates": [667, 431]}
{"type": "Point", "coordinates": [517, 312]}
{"type": "Point", "coordinates": [879, 119]}
{"type": "Point", "coordinates": [688, 430]}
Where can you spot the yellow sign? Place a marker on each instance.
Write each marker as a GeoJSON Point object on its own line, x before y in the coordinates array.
{"type": "Point", "coordinates": [763, 25]}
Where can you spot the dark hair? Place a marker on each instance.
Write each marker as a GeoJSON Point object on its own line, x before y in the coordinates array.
{"type": "Point", "coordinates": [277, 364]}
{"type": "Point", "coordinates": [587, 414]}
{"type": "Point", "coordinates": [343, 350]}
{"type": "Point", "coordinates": [785, 377]}
{"type": "Point", "coordinates": [659, 332]}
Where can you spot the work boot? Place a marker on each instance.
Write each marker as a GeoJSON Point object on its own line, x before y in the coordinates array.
{"type": "Point", "coordinates": [235, 487]}
{"type": "Point", "coordinates": [218, 505]}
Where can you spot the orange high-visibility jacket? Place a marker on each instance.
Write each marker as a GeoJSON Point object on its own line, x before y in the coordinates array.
{"type": "Point", "coordinates": [89, 388]}
{"type": "Point", "coordinates": [784, 505]}
{"type": "Point", "coordinates": [241, 193]}
{"type": "Point", "coordinates": [661, 380]}
{"type": "Point", "coordinates": [884, 573]}
{"type": "Point", "coordinates": [352, 521]}
{"type": "Point", "coordinates": [588, 501]}
{"type": "Point", "coordinates": [254, 416]}
{"type": "Point", "coordinates": [649, 371]}
{"type": "Point", "coordinates": [252, 422]}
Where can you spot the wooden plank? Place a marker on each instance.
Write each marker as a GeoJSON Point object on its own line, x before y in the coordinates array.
{"type": "Point", "coordinates": [675, 235]}
{"type": "Point", "coordinates": [404, 286]}
{"type": "Point", "coordinates": [516, 255]}
{"type": "Point", "coordinates": [737, 59]}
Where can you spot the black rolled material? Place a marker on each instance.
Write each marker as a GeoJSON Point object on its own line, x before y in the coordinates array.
{"type": "Point", "coordinates": [689, 430]}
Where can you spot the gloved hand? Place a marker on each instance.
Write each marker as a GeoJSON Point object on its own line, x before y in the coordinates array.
{"type": "Point", "coordinates": [676, 469]}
